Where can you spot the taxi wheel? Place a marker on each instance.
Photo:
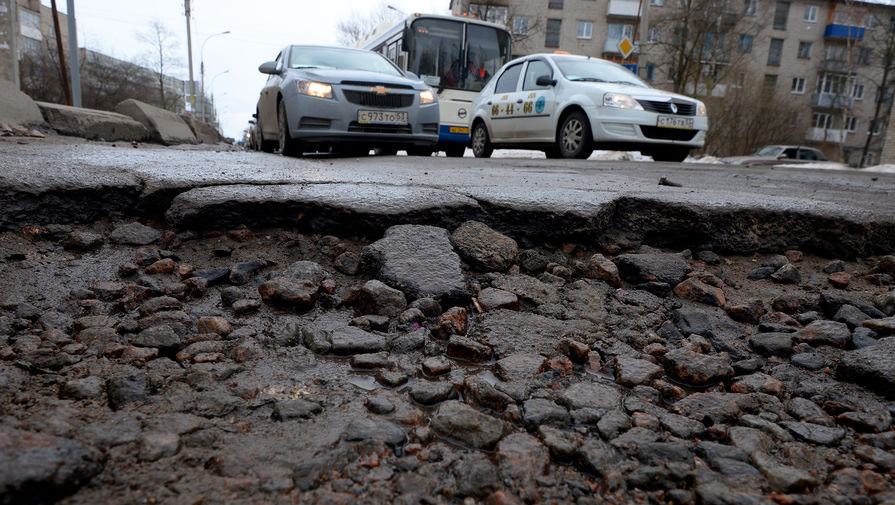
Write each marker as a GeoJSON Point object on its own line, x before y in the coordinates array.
{"type": "Point", "coordinates": [455, 151]}
{"type": "Point", "coordinates": [288, 146]}
{"type": "Point", "coordinates": [481, 143]}
{"type": "Point", "coordinates": [574, 138]}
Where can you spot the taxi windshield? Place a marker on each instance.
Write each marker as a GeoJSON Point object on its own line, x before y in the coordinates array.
{"type": "Point", "coordinates": [342, 59]}
{"type": "Point", "coordinates": [595, 70]}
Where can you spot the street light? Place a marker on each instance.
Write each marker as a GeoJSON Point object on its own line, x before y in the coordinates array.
{"type": "Point", "coordinates": [211, 87]}
{"type": "Point", "coordinates": [202, 74]}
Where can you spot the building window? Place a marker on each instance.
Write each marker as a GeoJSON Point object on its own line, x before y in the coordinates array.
{"type": "Point", "coordinates": [29, 24]}
{"type": "Point", "coordinates": [553, 28]}
{"type": "Point", "coordinates": [810, 13]}
{"type": "Point", "coordinates": [804, 49]}
{"type": "Point", "coordinates": [492, 13]}
{"type": "Point", "coordinates": [857, 91]}
{"type": "Point", "coordinates": [520, 25]}
{"type": "Point", "coordinates": [774, 52]}
{"type": "Point", "coordinates": [882, 94]}
{"type": "Point", "coordinates": [750, 7]}
{"type": "Point", "coordinates": [746, 43]}
{"type": "Point", "coordinates": [554, 4]}
{"type": "Point", "coordinates": [618, 32]}
{"type": "Point", "coordinates": [877, 127]}
{"type": "Point", "coordinates": [851, 124]}
{"type": "Point", "coordinates": [780, 15]}
{"type": "Point", "coordinates": [656, 2]}
{"type": "Point", "coordinates": [798, 85]}
{"type": "Point", "coordinates": [821, 120]}
{"type": "Point", "coordinates": [835, 53]}
{"type": "Point", "coordinates": [650, 73]}
{"type": "Point", "coordinates": [653, 34]}
{"type": "Point", "coordinates": [831, 84]}
{"type": "Point", "coordinates": [864, 54]}
{"type": "Point", "coordinates": [585, 29]}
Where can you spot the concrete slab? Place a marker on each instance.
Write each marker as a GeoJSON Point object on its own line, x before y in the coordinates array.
{"type": "Point", "coordinates": [164, 126]}
{"type": "Point", "coordinates": [204, 132]}
{"type": "Point", "coordinates": [92, 124]}
{"type": "Point", "coordinates": [18, 110]}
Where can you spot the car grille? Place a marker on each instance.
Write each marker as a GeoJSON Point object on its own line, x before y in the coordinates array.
{"type": "Point", "coordinates": [354, 126]}
{"type": "Point", "coordinates": [431, 128]}
{"type": "Point", "coordinates": [654, 132]}
{"type": "Point", "coordinates": [683, 108]}
{"type": "Point", "coordinates": [370, 99]}
{"type": "Point", "coordinates": [375, 84]}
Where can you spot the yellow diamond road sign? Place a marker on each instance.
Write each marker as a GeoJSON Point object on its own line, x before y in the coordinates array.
{"type": "Point", "coordinates": [625, 47]}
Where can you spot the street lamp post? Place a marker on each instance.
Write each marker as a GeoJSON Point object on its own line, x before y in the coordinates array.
{"type": "Point", "coordinates": [204, 114]}
{"type": "Point", "coordinates": [211, 87]}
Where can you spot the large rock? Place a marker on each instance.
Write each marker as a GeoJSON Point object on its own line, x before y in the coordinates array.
{"type": "Point", "coordinates": [39, 468]}
{"type": "Point", "coordinates": [164, 126]}
{"type": "Point", "coordinates": [648, 267]}
{"type": "Point", "coordinates": [697, 369]}
{"type": "Point", "coordinates": [17, 109]}
{"type": "Point", "coordinates": [204, 132]}
{"type": "Point", "coordinates": [484, 248]}
{"type": "Point", "coordinates": [873, 366]}
{"type": "Point", "coordinates": [92, 124]}
{"type": "Point", "coordinates": [418, 260]}
{"type": "Point", "coordinates": [460, 422]}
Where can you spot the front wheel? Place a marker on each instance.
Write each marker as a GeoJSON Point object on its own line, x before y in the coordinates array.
{"type": "Point", "coordinates": [574, 138]}
{"type": "Point", "coordinates": [671, 153]}
{"type": "Point", "coordinates": [455, 151]}
{"type": "Point", "coordinates": [481, 142]}
{"type": "Point", "coordinates": [288, 146]}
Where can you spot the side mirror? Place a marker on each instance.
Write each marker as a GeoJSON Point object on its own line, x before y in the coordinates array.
{"type": "Point", "coordinates": [407, 40]}
{"type": "Point", "coordinates": [545, 80]}
{"type": "Point", "coordinates": [268, 67]}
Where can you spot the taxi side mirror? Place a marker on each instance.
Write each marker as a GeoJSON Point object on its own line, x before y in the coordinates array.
{"type": "Point", "coordinates": [545, 80]}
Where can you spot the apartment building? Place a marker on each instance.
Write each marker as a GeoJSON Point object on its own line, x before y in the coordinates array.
{"type": "Point", "coordinates": [824, 57]}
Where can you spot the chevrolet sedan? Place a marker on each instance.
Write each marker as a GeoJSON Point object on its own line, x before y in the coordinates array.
{"type": "Point", "coordinates": [345, 100]}
{"type": "Point", "coordinates": [567, 105]}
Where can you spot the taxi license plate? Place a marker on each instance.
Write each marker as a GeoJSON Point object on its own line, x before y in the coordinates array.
{"type": "Point", "coordinates": [381, 117]}
{"type": "Point", "coordinates": [685, 123]}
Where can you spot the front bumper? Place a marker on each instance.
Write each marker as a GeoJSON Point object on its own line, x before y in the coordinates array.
{"type": "Point", "coordinates": [611, 125]}
{"type": "Point", "coordinates": [328, 121]}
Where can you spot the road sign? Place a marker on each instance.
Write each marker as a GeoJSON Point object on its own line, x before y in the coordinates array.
{"type": "Point", "coordinates": [625, 47]}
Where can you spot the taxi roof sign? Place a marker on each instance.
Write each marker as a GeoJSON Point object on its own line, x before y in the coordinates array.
{"type": "Point", "coordinates": [625, 47]}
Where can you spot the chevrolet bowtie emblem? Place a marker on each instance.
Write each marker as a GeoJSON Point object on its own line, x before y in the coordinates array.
{"type": "Point", "coordinates": [379, 90]}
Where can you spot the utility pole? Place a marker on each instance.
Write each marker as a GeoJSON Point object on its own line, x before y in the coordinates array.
{"type": "Point", "coordinates": [73, 54]}
{"type": "Point", "coordinates": [65, 84]}
{"type": "Point", "coordinates": [189, 48]}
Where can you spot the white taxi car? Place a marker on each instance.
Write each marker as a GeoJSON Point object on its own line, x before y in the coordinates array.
{"type": "Point", "coordinates": [567, 105]}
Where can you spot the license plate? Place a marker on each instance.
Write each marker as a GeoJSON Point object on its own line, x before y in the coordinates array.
{"type": "Point", "coordinates": [685, 123]}
{"type": "Point", "coordinates": [381, 117]}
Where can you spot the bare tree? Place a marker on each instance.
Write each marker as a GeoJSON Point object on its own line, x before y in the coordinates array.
{"type": "Point", "coordinates": [749, 117]}
{"type": "Point", "coordinates": [883, 43]}
{"type": "Point", "coordinates": [361, 25]}
{"type": "Point", "coordinates": [702, 41]}
{"type": "Point", "coordinates": [505, 13]}
{"type": "Point", "coordinates": [162, 43]}
{"type": "Point", "coordinates": [40, 75]}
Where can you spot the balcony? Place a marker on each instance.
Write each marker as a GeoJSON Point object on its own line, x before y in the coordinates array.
{"type": "Point", "coordinates": [830, 101]}
{"type": "Point", "coordinates": [834, 31]}
{"type": "Point", "coordinates": [623, 8]}
{"type": "Point", "coordinates": [824, 135]}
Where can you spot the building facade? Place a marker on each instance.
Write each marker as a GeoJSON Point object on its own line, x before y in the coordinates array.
{"type": "Point", "coordinates": [825, 60]}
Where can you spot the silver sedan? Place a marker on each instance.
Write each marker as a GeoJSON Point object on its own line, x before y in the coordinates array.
{"type": "Point", "coordinates": [346, 100]}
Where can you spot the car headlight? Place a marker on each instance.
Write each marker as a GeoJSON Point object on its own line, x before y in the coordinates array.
{"type": "Point", "coordinates": [700, 109]}
{"type": "Point", "coordinates": [426, 96]}
{"type": "Point", "coordinates": [318, 89]}
{"type": "Point", "coordinates": [620, 101]}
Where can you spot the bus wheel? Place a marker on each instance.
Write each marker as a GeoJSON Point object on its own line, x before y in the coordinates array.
{"type": "Point", "coordinates": [420, 151]}
{"type": "Point", "coordinates": [481, 143]}
{"type": "Point", "coordinates": [455, 151]}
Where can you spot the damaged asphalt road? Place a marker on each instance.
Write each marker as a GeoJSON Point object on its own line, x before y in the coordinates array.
{"type": "Point", "coordinates": [318, 331]}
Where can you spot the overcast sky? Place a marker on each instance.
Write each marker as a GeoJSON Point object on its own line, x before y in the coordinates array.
{"type": "Point", "coordinates": [258, 30]}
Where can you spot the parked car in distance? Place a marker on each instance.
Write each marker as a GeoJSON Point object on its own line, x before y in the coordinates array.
{"type": "Point", "coordinates": [321, 98]}
{"type": "Point", "coordinates": [777, 155]}
{"type": "Point", "coordinates": [567, 105]}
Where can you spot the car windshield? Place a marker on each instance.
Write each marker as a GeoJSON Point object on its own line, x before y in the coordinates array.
{"type": "Point", "coordinates": [342, 59]}
{"type": "Point", "coordinates": [596, 70]}
{"type": "Point", "coordinates": [772, 151]}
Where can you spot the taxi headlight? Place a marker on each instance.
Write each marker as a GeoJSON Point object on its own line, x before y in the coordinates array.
{"type": "Point", "coordinates": [426, 96]}
{"type": "Point", "coordinates": [700, 109]}
{"type": "Point", "coordinates": [318, 89]}
{"type": "Point", "coordinates": [620, 101]}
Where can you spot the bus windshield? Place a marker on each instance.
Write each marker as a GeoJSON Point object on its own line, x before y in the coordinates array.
{"type": "Point", "coordinates": [440, 58]}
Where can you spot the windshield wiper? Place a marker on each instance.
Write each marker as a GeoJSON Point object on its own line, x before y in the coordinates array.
{"type": "Point", "coordinates": [304, 66]}
{"type": "Point", "coordinates": [587, 79]}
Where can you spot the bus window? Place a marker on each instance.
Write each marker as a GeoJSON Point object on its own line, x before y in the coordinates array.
{"type": "Point", "coordinates": [393, 52]}
{"type": "Point", "coordinates": [487, 51]}
{"type": "Point", "coordinates": [436, 52]}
